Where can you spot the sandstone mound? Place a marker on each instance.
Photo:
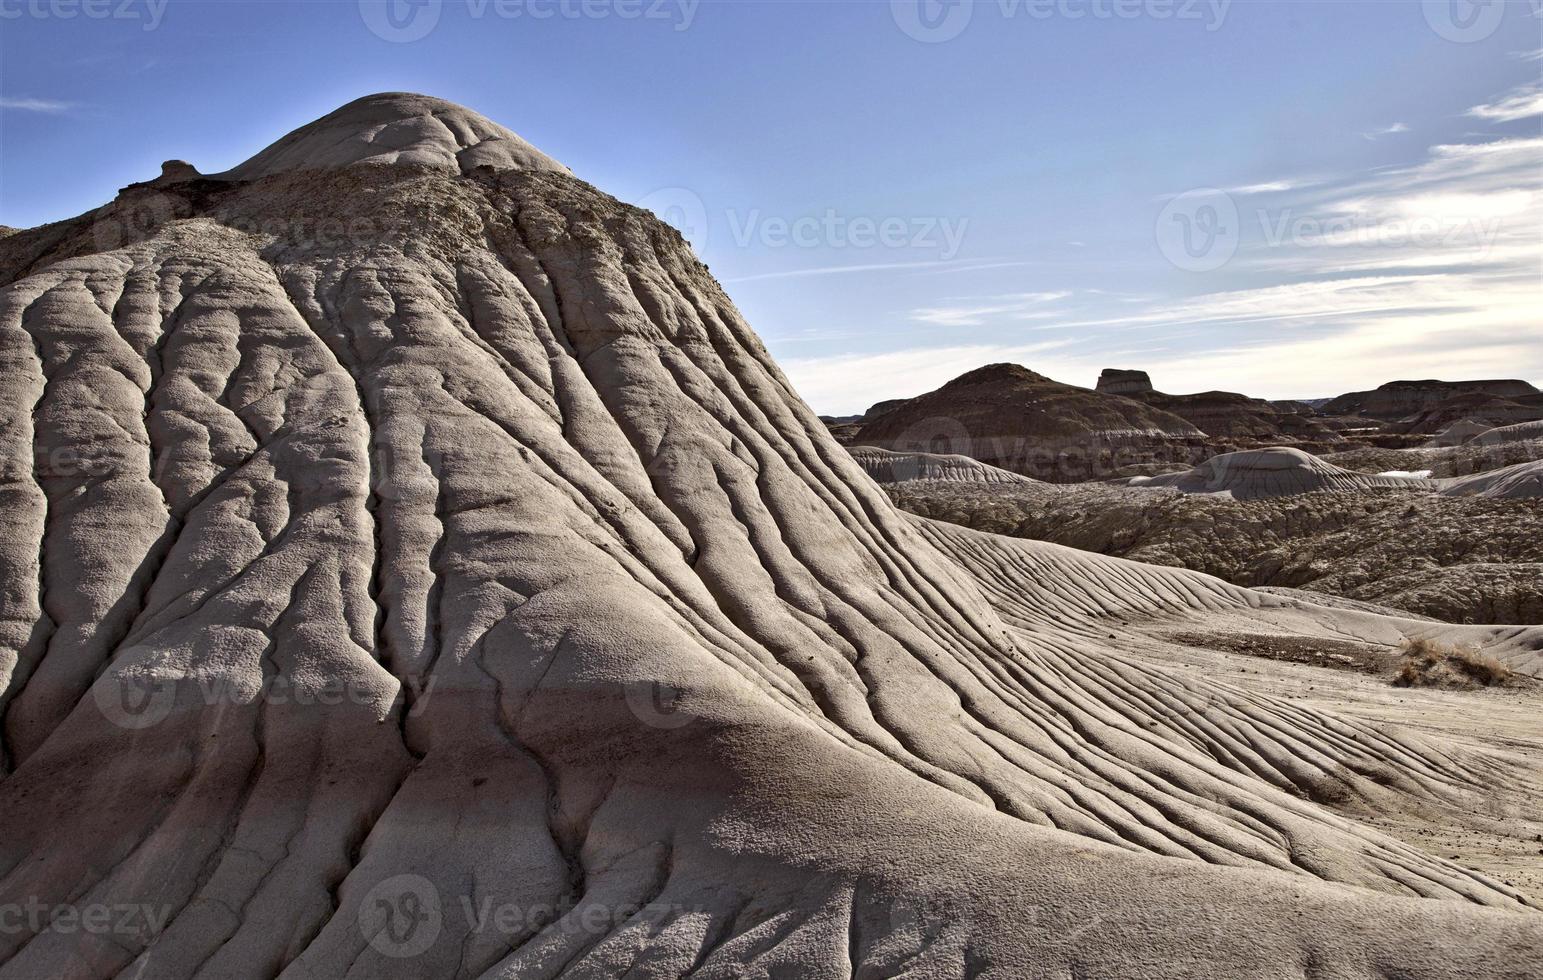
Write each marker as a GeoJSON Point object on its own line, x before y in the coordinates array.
{"type": "Point", "coordinates": [469, 594]}
{"type": "Point", "coordinates": [398, 128]}
{"type": "Point", "coordinates": [1521, 432]}
{"type": "Point", "coordinates": [889, 467]}
{"type": "Point", "coordinates": [1278, 472]}
{"type": "Point", "coordinates": [1509, 483]}
{"type": "Point", "coordinates": [1457, 433]}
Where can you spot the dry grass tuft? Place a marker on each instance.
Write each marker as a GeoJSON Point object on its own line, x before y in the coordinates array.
{"type": "Point", "coordinates": [1429, 663]}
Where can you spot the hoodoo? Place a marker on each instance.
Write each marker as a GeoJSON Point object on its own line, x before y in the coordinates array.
{"type": "Point", "coordinates": [412, 565]}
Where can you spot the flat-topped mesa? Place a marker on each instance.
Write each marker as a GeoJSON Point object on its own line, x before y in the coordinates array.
{"type": "Point", "coordinates": [1397, 399]}
{"type": "Point", "coordinates": [1118, 381]}
{"type": "Point", "coordinates": [398, 128]}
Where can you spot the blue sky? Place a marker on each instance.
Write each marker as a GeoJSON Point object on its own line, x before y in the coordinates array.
{"type": "Point", "coordinates": [1288, 199]}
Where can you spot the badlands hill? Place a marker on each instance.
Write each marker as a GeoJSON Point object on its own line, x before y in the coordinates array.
{"type": "Point", "coordinates": [1400, 399]}
{"type": "Point", "coordinates": [1231, 421]}
{"type": "Point", "coordinates": [1400, 415]}
{"type": "Point", "coordinates": [460, 590]}
{"type": "Point", "coordinates": [1429, 408]}
{"type": "Point", "coordinates": [1014, 419]}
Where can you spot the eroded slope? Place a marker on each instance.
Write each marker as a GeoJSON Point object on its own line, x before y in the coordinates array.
{"type": "Point", "coordinates": [475, 554]}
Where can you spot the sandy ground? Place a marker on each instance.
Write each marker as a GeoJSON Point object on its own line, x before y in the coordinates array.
{"type": "Point", "coordinates": [1504, 840]}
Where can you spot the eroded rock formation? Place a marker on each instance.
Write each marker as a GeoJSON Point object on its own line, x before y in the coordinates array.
{"type": "Point", "coordinates": [413, 566]}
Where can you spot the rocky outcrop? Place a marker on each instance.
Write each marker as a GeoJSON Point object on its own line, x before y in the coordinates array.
{"type": "Point", "coordinates": [412, 565]}
{"type": "Point", "coordinates": [1277, 472]}
{"type": "Point", "coordinates": [1119, 381]}
{"type": "Point", "coordinates": [1503, 435]}
{"type": "Point", "coordinates": [1457, 433]}
{"type": "Point", "coordinates": [1009, 417]}
{"type": "Point", "coordinates": [889, 467]}
{"type": "Point", "coordinates": [1510, 483]}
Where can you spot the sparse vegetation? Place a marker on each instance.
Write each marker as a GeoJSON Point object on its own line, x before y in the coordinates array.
{"type": "Point", "coordinates": [1430, 663]}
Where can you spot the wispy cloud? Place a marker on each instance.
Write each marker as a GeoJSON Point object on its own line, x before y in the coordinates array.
{"type": "Point", "coordinates": [970, 313]}
{"type": "Point", "coordinates": [1263, 187]}
{"type": "Point", "coordinates": [35, 105]}
{"type": "Point", "coordinates": [1397, 127]}
{"type": "Point", "coordinates": [1522, 103]}
{"type": "Point", "coordinates": [1423, 269]}
{"type": "Point", "coordinates": [939, 266]}
{"type": "Point", "coordinates": [1267, 187]}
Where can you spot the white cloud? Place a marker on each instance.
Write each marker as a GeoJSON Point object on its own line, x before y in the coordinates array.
{"type": "Point", "coordinates": [35, 105]}
{"type": "Point", "coordinates": [938, 266]}
{"type": "Point", "coordinates": [1268, 187]}
{"type": "Point", "coordinates": [973, 313]}
{"type": "Point", "coordinates": [1424, 269]}
{"type": "Point", "coordinates": [1263, 187]}
{"type": "Point", "coordinates": [1397, 127]}
{"type": "Point", "coordinates": [1523, 103]}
